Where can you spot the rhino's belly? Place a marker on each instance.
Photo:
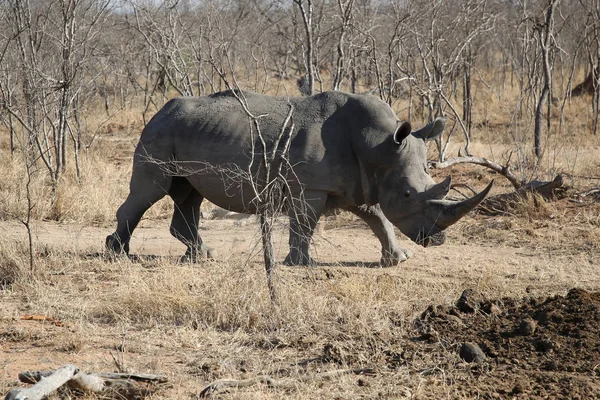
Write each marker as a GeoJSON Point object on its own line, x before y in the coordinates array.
{"type": "Point", "coordinates": [235, 194]}
{"type": "Point", "coordinates": [227, 192]}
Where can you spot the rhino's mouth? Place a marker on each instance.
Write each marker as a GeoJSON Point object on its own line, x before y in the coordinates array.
{"type": "Point", "coordinates": [436, 239]}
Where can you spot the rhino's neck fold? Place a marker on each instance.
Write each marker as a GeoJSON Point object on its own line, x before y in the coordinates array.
{"type": "Point", "coordinates": [368, 183]}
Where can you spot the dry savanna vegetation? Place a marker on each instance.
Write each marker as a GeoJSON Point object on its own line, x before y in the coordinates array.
{"type": "Point", "coordinates": [518, 83]}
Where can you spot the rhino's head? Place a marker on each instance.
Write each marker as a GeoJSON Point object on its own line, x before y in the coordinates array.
{"type": "Point", "coordinates": [407, 194]}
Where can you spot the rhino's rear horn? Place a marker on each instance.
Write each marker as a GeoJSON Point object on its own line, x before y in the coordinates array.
{"type": "Point", "coordinates": [451, 211]}
{"type": "Point", "coordinates": [440, 190]}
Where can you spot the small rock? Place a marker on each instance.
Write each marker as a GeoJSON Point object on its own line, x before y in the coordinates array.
{"type": "Point", "coordinates": [469, 301]}
{"type": "Point", "coordinates": [519, 388]}
{"type": "Point", "coordinates": [552, 366]}
{"type": "Point", "coordinates": [495, 310]}
{"type": "Point", "coordinates": [453, 319]}
{"type": "Point", "coordinates": [470, 352]}
{"type": "Point", "coordinates": [491, 308]}
{"type": "Point", "coordinates": [527, 327]}
{"type": "Point", "coordinates": [544, 345]}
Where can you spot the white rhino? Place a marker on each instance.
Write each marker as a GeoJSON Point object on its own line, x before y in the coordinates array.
{"type": "Point", "coordinates": [348, 151]}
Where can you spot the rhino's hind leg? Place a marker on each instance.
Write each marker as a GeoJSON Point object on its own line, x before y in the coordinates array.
{"type": "Point", "coordinates": [303, 220]}
{"type": "Point", "coordinates": [186, 219]}
{"type": "Point", "coordinates": [148, 185]}
{"type": "Point", "coordinates": [391, 252]}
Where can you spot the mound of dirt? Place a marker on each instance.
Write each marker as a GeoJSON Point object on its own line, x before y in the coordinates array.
{"type": "Point", "coordinates": [534, 348]}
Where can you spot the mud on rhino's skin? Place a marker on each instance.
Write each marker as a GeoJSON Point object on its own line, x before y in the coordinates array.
{"type": "Point", "coordinates": [348, 151]}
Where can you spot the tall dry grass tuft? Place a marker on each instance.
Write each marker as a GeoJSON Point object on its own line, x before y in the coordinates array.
{"type": "Point", "coordinates": [188, 295]}
{"type": "Point", "coordinates": [14, 265]}
{"type": "Point", "coordinates": [532, 207]}
{"type": "Point", "coordinates": [95, 199]}
{"type": "Point", "coordinates": [13, 197]}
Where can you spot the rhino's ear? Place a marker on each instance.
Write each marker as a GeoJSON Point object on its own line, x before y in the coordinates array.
{"type": "Point", "coordinates": [432, 131]}
{"type": "Point", "coordinates": [403, 129]}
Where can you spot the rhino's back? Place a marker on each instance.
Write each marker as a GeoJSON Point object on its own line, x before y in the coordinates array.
{"type": "Point", "coordinates": [218, 129]}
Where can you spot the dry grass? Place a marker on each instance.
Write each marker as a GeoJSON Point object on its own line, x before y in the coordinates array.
{"type": "Point", "coordinates": [201, 322]}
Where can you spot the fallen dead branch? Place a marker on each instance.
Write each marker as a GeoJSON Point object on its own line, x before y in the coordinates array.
{"type": "Point", "coordinates": [484, 162]}
{"type": "Point", "coordinates": [45, 386]}
{"type": "Point", "coordinates": [118, 385]}
{"type": "Point", "coordinates": [222, 384]}
{"type": "Point", "coordinates": [501, 203]}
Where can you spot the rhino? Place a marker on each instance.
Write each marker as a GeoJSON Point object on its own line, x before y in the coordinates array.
{"type": "Point", "coordinates": [348, 151]}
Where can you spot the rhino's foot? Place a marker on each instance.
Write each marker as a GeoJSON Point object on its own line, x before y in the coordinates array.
{"type": "Point", "coordinates": [115, 246]}
{"type": "Point", "coordinates": [296, 258]}
{"type": "Point", "coordinates": [394, 258]}
{"type": "Point", "coordinates": [198, 253]}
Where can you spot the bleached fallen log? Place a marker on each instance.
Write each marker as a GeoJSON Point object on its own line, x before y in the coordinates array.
{"type": "Point", "coordinates": [45, 386]}
{"type": "Point", "coordinates": [123, 385]}
{"type": "Point", "coordinates": [222, 384]}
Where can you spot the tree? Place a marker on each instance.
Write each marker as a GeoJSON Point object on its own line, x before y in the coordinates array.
{"type": "Point", "coordinates": [546, 42]}
{"type": "Point", "coordinates": [41, 99]}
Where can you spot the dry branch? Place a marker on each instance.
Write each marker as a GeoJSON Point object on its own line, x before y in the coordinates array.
{"type": "Point", "coordinates": [503, 202]}
{"type": "Point", "coordinates": [502, 170]}
{"type": "Point", "coordinates": [45, 386]}
{"type": "Point", "coordinates": [274, 383]}
{"type": "Point", "coordinates": [122, 385]}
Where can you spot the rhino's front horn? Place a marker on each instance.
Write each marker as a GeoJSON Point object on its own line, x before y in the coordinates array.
{"type": "Point", "coordinates": [451, 211]}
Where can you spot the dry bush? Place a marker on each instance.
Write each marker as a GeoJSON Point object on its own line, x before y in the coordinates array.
{"type": "Point", "coordinates": [14, 265]}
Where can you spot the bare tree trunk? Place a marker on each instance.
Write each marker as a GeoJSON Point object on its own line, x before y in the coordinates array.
{"type": "Point", "coordinates": [67, 42]}
{"type": "Point", "coordinates": [346, 14]}
{"type": "Point", "coordinates": [596, 92]}
{"type": "Point", "coordinates": [266, 230]}
{"type": "Point", "coordinates": [29, 165]}
{"type": "Point", "coordinates": [545, 37]}
{"type": "Point", "coordinates": [307, 15]}
{"type": "Point", "coordinates": [467, 96]}
{"type": "Point", "coordinates": [76, 137]}
{"type": "Point", "coordinates": [353, 72]}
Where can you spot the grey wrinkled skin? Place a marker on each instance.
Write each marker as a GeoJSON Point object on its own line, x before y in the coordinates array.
{"type": "Point", "coordinates": [348, 151]}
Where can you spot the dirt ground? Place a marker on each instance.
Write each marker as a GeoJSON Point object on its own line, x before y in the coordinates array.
{"type": "Point", "coordinates": [532, 306]}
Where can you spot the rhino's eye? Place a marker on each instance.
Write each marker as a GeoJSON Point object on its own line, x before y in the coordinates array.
{"type": "Point", "coordinates": [407, 193]}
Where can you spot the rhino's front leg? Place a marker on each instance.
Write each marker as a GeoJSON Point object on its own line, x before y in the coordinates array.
{"type": "Point", "coordinates": [391, 252]}
{"type": "Point", "coordinates": [303, 220]}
